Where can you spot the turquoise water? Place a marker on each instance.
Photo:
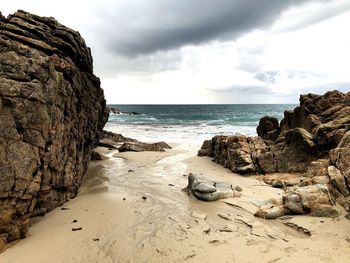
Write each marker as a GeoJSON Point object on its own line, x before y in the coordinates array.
{"type": "Point", "coordinates": [190, 123]}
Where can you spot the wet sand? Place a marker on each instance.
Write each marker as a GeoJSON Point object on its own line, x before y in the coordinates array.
{"type": "Point", "coordinates": [131, 208]}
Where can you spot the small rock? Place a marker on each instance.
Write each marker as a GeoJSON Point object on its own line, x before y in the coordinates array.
{"type": "Point", "coordinates": [95, 239]}
{"type": "Point", "coordinates": [171, 184]}
{"type": "Point", "coordinates": [124, 198]}
{"type": "Point", "coordinates": [144, 197]}
{"type": "Point", "coordinates": [238, 188]}
{"type": "Point", "coordinates": [277, 184]}
{"type": "Point", "coordinates": [74, 221]}
{"type": "Point", "coordinates": [76, 228]}
{"type": "Point", "coordinates": [65, 208]}
{"type": "Point", "coordinates": [130, 171]}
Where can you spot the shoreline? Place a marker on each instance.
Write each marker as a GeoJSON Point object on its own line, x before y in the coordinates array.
{"type": "Point", "coordinates": [158, 222]}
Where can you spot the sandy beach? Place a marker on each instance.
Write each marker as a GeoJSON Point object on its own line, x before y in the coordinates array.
{"type": "Point", "coordinates": [131, 208]}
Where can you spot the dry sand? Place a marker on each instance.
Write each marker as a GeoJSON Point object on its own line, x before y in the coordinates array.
{"type": "Point", "coordinates": [157, 222]}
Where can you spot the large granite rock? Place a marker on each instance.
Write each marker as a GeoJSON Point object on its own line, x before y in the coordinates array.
{"type": "Point", "coordinates": [52, 110]}
{"type": "Point", "coordinates": [313, 140]}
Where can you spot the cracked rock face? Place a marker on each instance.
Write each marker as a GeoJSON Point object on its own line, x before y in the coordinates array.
{"type": "Point", "coordinates": [312, 140]}
{"type": "Point", "coordinates": [52, 110]}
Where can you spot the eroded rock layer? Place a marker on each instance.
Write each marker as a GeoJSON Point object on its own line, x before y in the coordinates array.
{"type": "Point", "coordinates": [312, 140]}
{"type": "Point", "coordinates": [52, 110]}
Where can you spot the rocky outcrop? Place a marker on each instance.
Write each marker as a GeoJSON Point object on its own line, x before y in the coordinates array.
{"type": "Point", "coordinates": [112, 110]}
{"type": "Point", "coordinates": [207, 190]}
{"type": "Point", "coordinates": [52, 110]}
{"type": "Point", "coordinates": [312, 140]}
{"type": "Point", "coordinates": [125, 144]}
{"type": "Point", "coordinates": [141, 147]}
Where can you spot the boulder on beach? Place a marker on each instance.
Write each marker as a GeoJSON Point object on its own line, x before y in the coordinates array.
{"type": "Point", "coordinates": [52, 111]}
{"type": "Point", "coordinates": [208, 190]}
{"type": "Point", "coordinates": [113, 140]}
{"type": "Point", "coordinates": [313, 199]}
{"type": "Point", "coordinates": [141, 147]}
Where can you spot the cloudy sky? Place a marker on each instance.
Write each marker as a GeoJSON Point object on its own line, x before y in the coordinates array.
{"type": "Point", "coordinates": [206, 51]}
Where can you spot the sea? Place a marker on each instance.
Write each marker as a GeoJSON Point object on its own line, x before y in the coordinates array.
{"type": "Point", "coordinates": [190, 123]}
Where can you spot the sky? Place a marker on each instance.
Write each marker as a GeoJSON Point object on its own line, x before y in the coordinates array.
{"type": "Point", "coordinates": [205, 51]}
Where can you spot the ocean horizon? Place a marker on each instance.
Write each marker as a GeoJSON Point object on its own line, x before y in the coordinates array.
{"type": "Point", "coordinates": [190, 123]}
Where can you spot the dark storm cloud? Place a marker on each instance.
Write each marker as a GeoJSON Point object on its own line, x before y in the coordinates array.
{"type": "Point", "coordinates": [144, 27]}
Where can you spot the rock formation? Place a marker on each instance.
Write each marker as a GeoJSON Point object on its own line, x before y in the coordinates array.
{"type": "Point", "coordinates": [112, 110]}
{"type": "Point", "coordinates": [124, 144]}
{"type": "Point", "coordinates": [313, 140]}
{"type": "Point", "coordinates": [52, 110]}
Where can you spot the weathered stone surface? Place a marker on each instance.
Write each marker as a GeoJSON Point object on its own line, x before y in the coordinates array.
{"type": "Point", "coordinates": [322, 210]}
{"type": "Point", "coordinates": [340, 157]}
{"type": "Point", "coordinates": [293, 203]}
{"type": "Point", "coordinates": [115, 137]}
{"type": "Point", "coordinates": [207, 190]}
{"type": "Point", "coordinates": [206, 149]}
{"type": "Point", "coordinates": [318, 168]}
{"type": "Point", "coordinates": [124, 144]}
{"type": "Point", "coordinates": [141, 147]}
{"type": "Point", "coordinates": [52, 110]}
{"type": "Point", "coordinates": [268, 128]}
{"type": "Point", "coordinates": [312, 195]}
{"type": "Point", "coordinates": [272, 212]}
{"type": "Point", "coordinates": [312, 199]}
{"type": "Point", "coordinates": [239, 153]}
{"type": "Point", "coordinates": [338, 180]}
